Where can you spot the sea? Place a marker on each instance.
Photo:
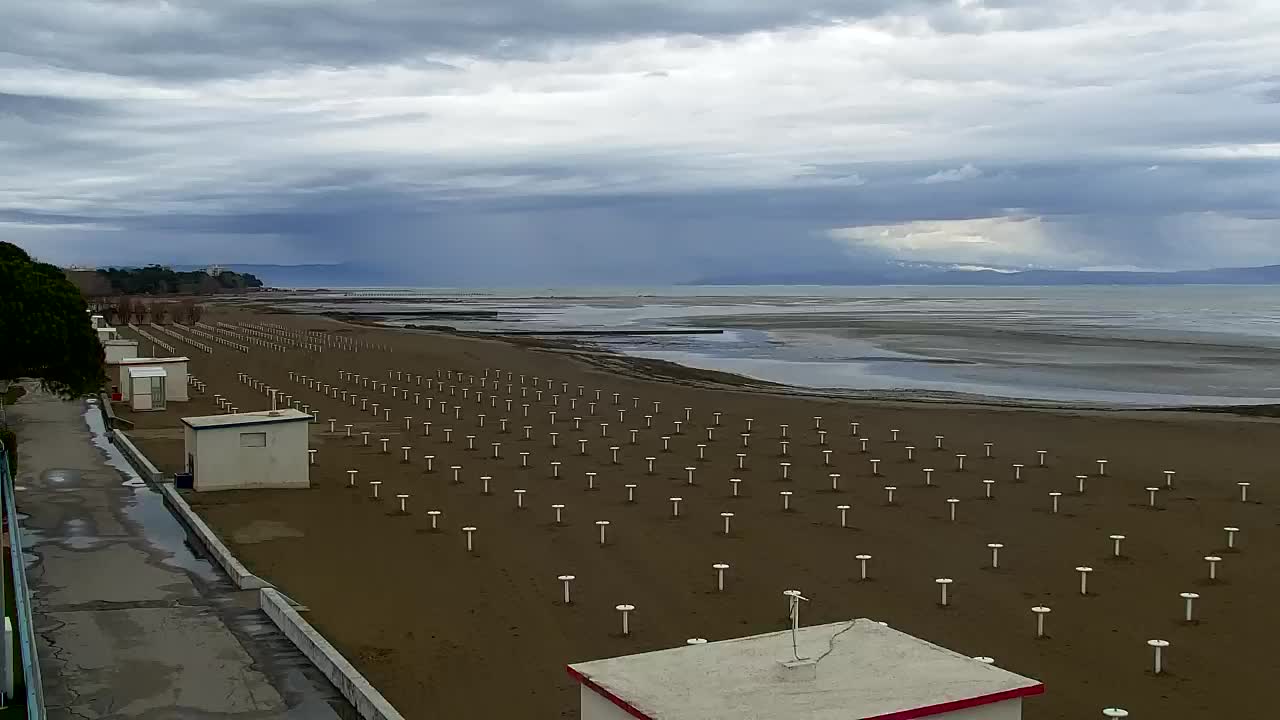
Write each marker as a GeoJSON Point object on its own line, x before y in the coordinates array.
{"type": "Point", "coordinates": [1156, 346]}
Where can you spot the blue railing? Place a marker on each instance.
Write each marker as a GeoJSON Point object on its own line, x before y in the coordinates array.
{"type": "Point", "coordinates": [21, 597]}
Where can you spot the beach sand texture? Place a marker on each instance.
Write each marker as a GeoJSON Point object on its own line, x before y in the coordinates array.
{"type": "Point", "coordinates": [447, 633]}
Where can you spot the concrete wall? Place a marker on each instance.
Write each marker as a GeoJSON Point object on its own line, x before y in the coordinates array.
{"type": "Point", "coordinates": [1007, 710]}
{"type": "Point", "coordinates": [117, 350]}
{"type": "Point", "coordinates": [232, 566]}
{"type": "Point", "coordinates": [353, 686]}
{"type": "Point", "coordinates": [222, 464]}
{"type": "Point", "coordinates": [597, 707]}
{"type": "Point", "coordinates": [135, 457]}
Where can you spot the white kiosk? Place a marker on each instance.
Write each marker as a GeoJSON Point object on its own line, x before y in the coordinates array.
{"type": "Point", "coordinates": [852, 670]}
{"type": "Point", "coordinates": [146, 387]}
{"type": "Point", "coordinates": [266, 449]}
{"type": "Point", "coordinates": [175, 369]}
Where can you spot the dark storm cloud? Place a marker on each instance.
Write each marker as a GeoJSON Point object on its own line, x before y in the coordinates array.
{"type": "Point", "coordinates": [194, 38]}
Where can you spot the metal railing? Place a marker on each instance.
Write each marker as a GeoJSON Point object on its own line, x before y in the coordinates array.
{"type": "Point", "coordinates": [21, 596]}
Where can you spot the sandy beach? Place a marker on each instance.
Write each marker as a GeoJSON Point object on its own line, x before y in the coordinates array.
{"type": "Point", "coordinates": [447, 633]}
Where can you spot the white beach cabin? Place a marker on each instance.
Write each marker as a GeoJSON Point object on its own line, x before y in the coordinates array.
{"type": "Point", "coordinates": [175, 369]}
{"type": "Point", "coordinates": [146, 387]}
{"type": "Point", "coordinates": [852, 670]}
{"type": "Point", "coordinates": [106, 333]}
{"type": "Point", "coordinates": [266, 449]}
{"type": "Point", "coordinates": [97, 321]}
{"type": "Point", "coordinates": [118, 350]}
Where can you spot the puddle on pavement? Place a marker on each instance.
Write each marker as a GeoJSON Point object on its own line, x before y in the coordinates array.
{"type": "Point", "coordinates": [146, 508]}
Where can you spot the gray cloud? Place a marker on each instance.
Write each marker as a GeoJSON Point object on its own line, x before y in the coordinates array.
{"type": "Point", "coordinates": [552, 140]}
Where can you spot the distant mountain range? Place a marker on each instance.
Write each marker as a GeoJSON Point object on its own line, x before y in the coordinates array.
{"type": "Point", "coordinates": [927, 274]}
{"type": "Point", "coordinates": [890, 273]}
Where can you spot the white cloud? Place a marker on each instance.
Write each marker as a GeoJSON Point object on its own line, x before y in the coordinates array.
{"type": "Point", "coordinates": [1007, 241]}
{"type": "Point", "coordinates": [960, 174]}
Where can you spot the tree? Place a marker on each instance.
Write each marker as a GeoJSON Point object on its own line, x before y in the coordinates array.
{"type": "Point", "coordinates": [45, 330]}
{"type": "Point", "coordinates": [196, 312]}
{"type": "Point", "coordinates": [178, 312]}
{"type": "Point", "coordinates": [124, 309]}
{"type": "Point", "coordinates": [139, 312]}
{"type": "Point", "coordinates": [159, 311]}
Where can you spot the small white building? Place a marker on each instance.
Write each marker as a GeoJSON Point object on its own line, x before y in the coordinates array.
{"type": "Point", "coordinates": [852, 670]}
{"type": "Point", "coordinates": [107, 333]}
{"type": "Point", "coordinates": [118, 350]}
{"type": "Point", "coordinates": [266, 449]}
{"type": "Point", "coordinates": [175, 369]}
{"type": "Point", "coordinates": [146, 386]}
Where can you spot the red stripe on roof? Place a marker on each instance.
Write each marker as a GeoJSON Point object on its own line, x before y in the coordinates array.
{"type": "Point", "coordinates": [909, 714]}
{"type": "Point", "coordinates": [962, 704]}
{"type": "Point", "coordinates": [625, 706]}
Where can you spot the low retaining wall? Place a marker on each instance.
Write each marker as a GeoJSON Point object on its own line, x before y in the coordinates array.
{"type": "Point", "coordinates": [353, 686]}
{"type": "Point", "coordinates": [238, 573]}
{"type": "Point", "coordinates": [135, 457]}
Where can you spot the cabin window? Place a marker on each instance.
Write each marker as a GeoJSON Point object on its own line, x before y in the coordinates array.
{"type": "Point", "coordinates": [258, 439]}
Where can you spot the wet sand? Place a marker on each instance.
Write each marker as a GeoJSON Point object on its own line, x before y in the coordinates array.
{"type": "Point", "coordinates": [445, 633]}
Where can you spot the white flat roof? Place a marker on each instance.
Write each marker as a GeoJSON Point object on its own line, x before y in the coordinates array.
{"type": "Point", "coordinates": [262, 417]}
{"type": "Point", "coordinates": [144, 372]}
{"type": "Point", "coordinates": [152, 361]}
{"type": "Point", "coordinates": [864, 671]}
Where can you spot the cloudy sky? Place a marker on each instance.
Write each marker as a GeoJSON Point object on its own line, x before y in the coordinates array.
{"type": "Point", "coordinates": [625, 141]}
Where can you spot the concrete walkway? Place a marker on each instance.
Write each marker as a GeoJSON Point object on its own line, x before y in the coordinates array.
{"type": "Point", "coordinates": [131, 623]}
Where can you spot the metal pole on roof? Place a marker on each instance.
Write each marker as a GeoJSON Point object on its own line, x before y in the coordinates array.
{"type": "Point", "coordinates": [793, 598]}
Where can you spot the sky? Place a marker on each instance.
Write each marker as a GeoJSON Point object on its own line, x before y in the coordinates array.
{"type": "Point", "coordinates": [597, 142]}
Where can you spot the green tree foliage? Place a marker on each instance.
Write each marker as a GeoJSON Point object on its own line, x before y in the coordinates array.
{"type": "Point", "coordinates": [45, 331]}
{"type": "Point", "coordinates": [160, 280]}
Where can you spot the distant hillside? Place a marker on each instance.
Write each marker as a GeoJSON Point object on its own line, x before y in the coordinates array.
{"type": "Point", "coordinates": [314, 276]}
{"type": "Point", "coordinates": [159, 280]}
{"type": "Point", "coordinates": [919, 274]}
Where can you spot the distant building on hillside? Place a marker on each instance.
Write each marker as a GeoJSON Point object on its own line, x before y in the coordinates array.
{"type": "Point", "coordinates": [214, 270]}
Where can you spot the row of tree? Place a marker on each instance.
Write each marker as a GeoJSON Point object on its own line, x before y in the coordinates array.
{"type": "Point", "coordinates": [161, 280]}
{"type": "Point", "coordinates": [126, 309]}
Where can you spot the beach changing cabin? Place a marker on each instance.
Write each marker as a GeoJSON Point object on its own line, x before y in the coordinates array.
{"type": "Point", "coordinates": [119, 350]}
{"type": "Point", "coordinates": [852, 670]}
{"type": "Point", "coordinates": [266, 449]}
{"type": "Point", "coordinates": [146, 384]}
{"type": "Point", "coordinates": [175, 369]}
{"type": "Point", "coordinates": [107, 333]}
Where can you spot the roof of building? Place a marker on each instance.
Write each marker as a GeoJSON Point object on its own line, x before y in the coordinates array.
{"type": "Point", "coordinates": [146, 371]}
{"type": "Point", "coordinates": [864, 670]}
{"type": "Point", "coordinates": [153, 361]}
{"type": "Point", "coordinates": [262, 417]}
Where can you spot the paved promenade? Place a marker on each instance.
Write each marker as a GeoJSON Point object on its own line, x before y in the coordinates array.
{"type": "Point", "coordinates": [131, 623]}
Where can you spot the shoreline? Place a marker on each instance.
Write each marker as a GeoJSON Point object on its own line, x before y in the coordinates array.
{"type": "Point", "coordinates": [610, 360]}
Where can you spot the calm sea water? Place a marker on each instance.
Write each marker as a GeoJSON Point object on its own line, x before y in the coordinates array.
{"type": "Point", "coordinates": [1157, 346]}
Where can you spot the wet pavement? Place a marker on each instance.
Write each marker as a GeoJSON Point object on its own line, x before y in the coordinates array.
{"type": "Point", "coordinates": [131, 623]}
